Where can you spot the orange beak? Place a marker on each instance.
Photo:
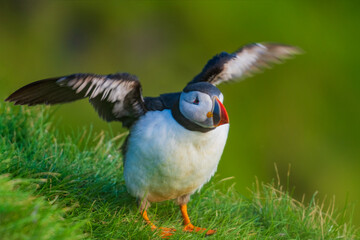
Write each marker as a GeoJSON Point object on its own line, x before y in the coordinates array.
{"type": "Point", "coordinates": [220, 115]}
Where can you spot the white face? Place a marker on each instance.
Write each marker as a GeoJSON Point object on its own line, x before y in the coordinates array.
{"type": "Point", "coordinates": [198, 107]}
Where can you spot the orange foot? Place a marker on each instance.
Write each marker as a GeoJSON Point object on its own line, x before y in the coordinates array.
{"type": "Point", "coordinates": [164, 232]}
{"type": "Point", "coordinates": [192, 228]}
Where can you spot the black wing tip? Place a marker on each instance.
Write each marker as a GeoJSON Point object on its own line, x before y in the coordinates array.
{"type": "Point", "coordinates": [16, 101]}
{"type": "Point", "coordinates": [12, 98]}
{"type": "Point", "coordinates": [15, 97]}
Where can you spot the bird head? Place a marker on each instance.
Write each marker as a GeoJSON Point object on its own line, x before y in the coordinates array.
{"type": "Point", "coordinates": [201, 103]}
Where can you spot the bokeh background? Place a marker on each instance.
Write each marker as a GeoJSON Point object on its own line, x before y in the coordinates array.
{"type": "Point", "coordinates": [305, 113]}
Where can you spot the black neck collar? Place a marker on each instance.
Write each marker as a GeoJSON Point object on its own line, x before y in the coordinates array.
{"type": "Point", "coordinates": [186, 123]}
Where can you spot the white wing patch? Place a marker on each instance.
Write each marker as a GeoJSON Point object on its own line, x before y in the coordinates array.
{"type": "Point", "coordinates": [248, 60]}
{"type": "Point", "coordinates": [111, 90]}
{"type": "Point", "coordinates": [253, 58]}
{"type": "Point", "coordinates": [237, 67]}
{"type": "Point", "coordinates": [123, 91]}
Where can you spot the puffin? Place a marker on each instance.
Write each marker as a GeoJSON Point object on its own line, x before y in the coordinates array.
{"type": "Point", "coordinates": [175, 140]}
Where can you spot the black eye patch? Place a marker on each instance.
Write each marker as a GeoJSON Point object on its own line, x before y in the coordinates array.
{"type": "Point", "coordinates": [196, 101]}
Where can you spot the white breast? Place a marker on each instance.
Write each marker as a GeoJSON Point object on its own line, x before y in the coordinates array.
{"type": "Point", "coordinates": [164, 160]}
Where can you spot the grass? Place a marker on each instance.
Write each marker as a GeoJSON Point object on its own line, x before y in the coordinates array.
{"type": "Point", "coordinates": [74, 189]}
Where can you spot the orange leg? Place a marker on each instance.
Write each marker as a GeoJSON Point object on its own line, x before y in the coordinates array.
{"type": "Point", "coordinates": [165, 232]}
{"type": "Point", "coordinates": [188, 226]}
{"type": "Point", "coordinates": [146, 218]}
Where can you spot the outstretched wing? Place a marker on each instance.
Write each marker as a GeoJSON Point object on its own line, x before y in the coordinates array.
{"type": "Point", "coordinates": [243, 63]}
{"type": "Point", "coordinates": [115, 97]}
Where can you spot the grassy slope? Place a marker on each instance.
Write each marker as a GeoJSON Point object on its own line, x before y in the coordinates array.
{"type": "Point", "coordinates": [71, 189]}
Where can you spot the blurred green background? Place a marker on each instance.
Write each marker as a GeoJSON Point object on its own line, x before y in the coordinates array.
{"type": "Point", "coordinates": [305, 113]}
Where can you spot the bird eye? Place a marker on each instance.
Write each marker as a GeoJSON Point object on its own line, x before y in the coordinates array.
{"type": "Point", "coordinates": [196, 101]}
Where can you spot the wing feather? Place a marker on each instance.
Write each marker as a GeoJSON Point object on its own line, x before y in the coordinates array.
{"type": "Point", "coordinates": [245, 62]}
{"type": "Point", "coordinates": [115, 97]}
